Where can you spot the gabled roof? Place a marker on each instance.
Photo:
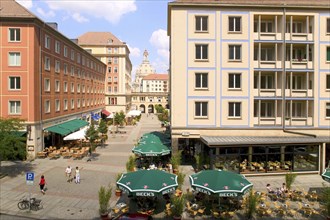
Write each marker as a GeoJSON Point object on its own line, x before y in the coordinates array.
{"type": "Point", "coordinates": [99, 38]}
{"type": "Point", "coordinates": [12, 9]}
{"type": "Point", "coordinates": [156, 77]}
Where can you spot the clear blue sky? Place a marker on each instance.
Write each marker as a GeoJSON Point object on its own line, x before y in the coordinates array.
{"type": "Point", "coordinates": [141, 24]}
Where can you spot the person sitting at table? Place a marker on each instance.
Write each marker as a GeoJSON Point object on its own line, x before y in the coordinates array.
{"type": "Point", "coordinates": [269, 188]}
{"type": "Point", "coordinates": [284, 189]}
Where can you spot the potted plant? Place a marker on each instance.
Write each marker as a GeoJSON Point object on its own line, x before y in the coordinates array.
{"type": "Point", "coordinates": [289, 179]}
{"type": "Point", "coordinates": [176, 161]}
{"type": "Point", "coordinates": [177, 206]}
{"type": "Point", "coordinates": [181, 177]}
{"type": "Point", "coordinates": [252, 201]}
{"type": "Point", "coordinates": [104, 200]}
{"type": "Point", "coordinates": [118, 191]}
{"type": "Point", "coordinates": [130, 164]}
{"type": "Point", "coordinates": [325, 201]}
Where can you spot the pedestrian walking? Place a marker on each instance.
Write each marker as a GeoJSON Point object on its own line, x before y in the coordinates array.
{"type": "Point", "coordinates": [68, 172]}
{"type": "Point", "coordinates": [42, 184]}
{"type": "Point", "coordinates": [77, 175]}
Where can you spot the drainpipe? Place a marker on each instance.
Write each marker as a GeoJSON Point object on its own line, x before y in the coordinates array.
{"type": "Point", "coordinates": [284, 81]}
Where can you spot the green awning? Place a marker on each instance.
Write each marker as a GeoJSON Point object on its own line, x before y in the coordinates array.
{"type": "Point", "coordinates": [67, 127]}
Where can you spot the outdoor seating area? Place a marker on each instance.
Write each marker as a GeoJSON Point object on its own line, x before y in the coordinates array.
{"type": "Point", "coordinates": [65, 151]}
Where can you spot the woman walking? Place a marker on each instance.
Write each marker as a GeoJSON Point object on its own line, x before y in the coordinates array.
{"type": "Point", "coordinates": [42, 184]}
{"type": "Point", "coordinates": [77, 175]}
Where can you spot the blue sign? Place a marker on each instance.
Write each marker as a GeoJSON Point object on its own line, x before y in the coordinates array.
{"type": "Point", "coordinates": [29, 176]}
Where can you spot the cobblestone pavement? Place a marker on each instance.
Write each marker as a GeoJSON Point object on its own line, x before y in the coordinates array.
{"type": "Point", "coordinates": [65, 200]}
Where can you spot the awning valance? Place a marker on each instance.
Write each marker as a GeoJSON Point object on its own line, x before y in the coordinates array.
{"type": "Point", "coordinates": [67, 127]}
{"type": "Point", "coordinates": [105, 112]}
{"type": "Point", "coordinates": [215, 141]}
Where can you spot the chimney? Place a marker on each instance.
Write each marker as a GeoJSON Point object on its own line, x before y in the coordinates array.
{"type": "Point", "coordinates": [52, 24]}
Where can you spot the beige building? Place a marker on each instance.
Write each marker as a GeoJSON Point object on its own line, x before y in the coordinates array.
{"type": "Point", "coordinates": [250, 83]}
{"type": "Point", "coordinates": [115, 54]}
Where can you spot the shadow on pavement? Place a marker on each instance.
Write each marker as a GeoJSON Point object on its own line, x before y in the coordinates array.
{"type": "Point", "coordinates": [15, 168]}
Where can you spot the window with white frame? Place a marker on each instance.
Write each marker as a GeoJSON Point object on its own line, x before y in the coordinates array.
{"type": "Point", "coordinates": [14, 34]}
{"type": "Point", "coordinates": [78, 103]}
{"type": "Point", "coordinates": [267, 109]}
{"type": "Point", "coordinates": [234, 110]}
{"type": "Point", "coordinates": [83, 88]}
{"type": "Point", "coordinates": [109, 69]}
{"type": "Point", "coordinates": [109, 79]}
{"type": "Point", "coordinates": [57, 105]}
{"type": "Point", "coordinates": [297, 27]}
{"type": "Point", "coordinates": [298, 82]}
{"type": "Point", "coordinates": [328, 25]}
{"type": "Point", "coordinates": [57, 46]}
{"type": "Point", "coordinates": [234, 81]}
{"type": "Point", "coordinates": [78, 88]}
{"type": "Point", "coordinates": [72, 103]}
{"type": "Point", "coordinates": [201, 23]}
{"type": "Point", "coordinates": [65, 86]}
{"type": "Point", "coordinates": [201, 80]}
{"type": "Point", "coordinates": [65, 104]}
{"type": "Point", "coordinates": [47, 85]}
{"type": "Point", "coordinates": [65, 68]}
{"type": "Point", "coordinates": [47, 42]}
{"type": "Point", "coordinates": [57, 85]}
{"type": "Point", "coordinates": [235, 52]}
{"type": "Point", "coordinates": [47, 106]}
{"type": "Point", "coordinates": [265, 27]}
{"type": "Point", "coordinates": [115, 90]}
{"type": "Point", "coordinates": [14, 83]}
{"type": "Point", "coordinates": [47, 63]}
{"type": "Point", "coordinates": [72, 54]}
{"type": "Point", "coordinates": [201, 109]}
{"type": "Point", "coordinates": [201, 52]}
{"type": "Point", "coordinates": [115, 79]}
{"type": "Point", "coordinates": [14, 59]}
{"type": "Point", "coordinates": [327, 82]}
{"type": "Point", "coordinates": [115, 60]}
{"type": "Point", "coordinates": [65, 51]}
{"type": "Point", "coordinates": [72, 71]}
{"type": "Point", "coordinates": [78, 58]}
{"type": "Point", "coordinates": [327, 110]}
{"type": "Point", "coordinates": [83, 103]}
{"type": "Point", "coordinates": [267, 54]}
{"type": "Point", "coordinates": [267, 82]}
{"type": "Point", "coordinates": [15, 107]}
{"type": "Point", "coordinates": [234, 24]}
{"type": "Point", "coordinates": [298, 109]}
{"type": "Point", "coordinates": [115, 69]}
{"type": "Point", "coordinates": [109, 89]}
{"type": "Point", "coordinates": [72, 88]}
{"type": "Point", "coordinates": [57, 66]}
{"type": "Point", "coordinates": [115, 50]}
{"type": "Point", "coordinates": [78, 73]}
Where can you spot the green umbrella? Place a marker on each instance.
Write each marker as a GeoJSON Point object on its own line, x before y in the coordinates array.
{"type": "Point", "coordinates": [222, 183]}
{"type": "Point", "coordinates": [151, 145]}
{"type": "Point", "coordinates": [148, 182]}
{"type": "Point", "coordinates": [326, 175]}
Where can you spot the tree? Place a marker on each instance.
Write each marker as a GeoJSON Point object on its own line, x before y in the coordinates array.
{"type": "Point", "coordinates": [120, 118]}
{"type": "Point", "coordinates": [103, 129]}
{"type": "Point", "coordinates": [12, 146]}
{"type": "Point", "coordinates": [159, 109]}
{"type": "Point", "coordinates": [163, 116]}
{"type": "Point", "coordinates": [92, 134]}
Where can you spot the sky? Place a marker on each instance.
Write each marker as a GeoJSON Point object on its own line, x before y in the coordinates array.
{"type": "Point", "coordinates": [142, 24]}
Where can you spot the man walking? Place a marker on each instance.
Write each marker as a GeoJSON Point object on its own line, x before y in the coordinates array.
{"type": "Point", "coordinates": [68, 172]}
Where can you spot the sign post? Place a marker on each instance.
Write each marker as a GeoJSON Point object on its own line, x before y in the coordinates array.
{"type": "Point", "coordinates": [29, 182]}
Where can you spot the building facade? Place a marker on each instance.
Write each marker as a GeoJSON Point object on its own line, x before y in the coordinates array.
{"type": "Point", "coordinates": [46, 79]}
{"type": "Point", "coordinates": [115, 54]}
{"type": "Point", "coordinates": [250, 83]}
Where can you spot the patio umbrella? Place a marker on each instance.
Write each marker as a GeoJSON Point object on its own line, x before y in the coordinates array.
{"type": "Point", "coordinates": [326, 175]}
{"type": "Point", "coordinates": [151, 149]}
{"type": "Point", "coordinates": [78, 135]}
{"type": "Point", "coordinates": [148, 183]}
{"type": "Point", "coordinates": [134, 113]}
{"type": "Point", "coordinates": [222, 183]}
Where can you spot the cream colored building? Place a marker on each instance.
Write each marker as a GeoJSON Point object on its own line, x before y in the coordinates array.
{"type": "Point", "coordinates": [115, 54]}
{"type": "Point", "coordinates": [250, 83]}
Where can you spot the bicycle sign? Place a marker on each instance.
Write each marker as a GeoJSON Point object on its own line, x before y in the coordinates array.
{"type": "Point", "coordinates": [29, 178]}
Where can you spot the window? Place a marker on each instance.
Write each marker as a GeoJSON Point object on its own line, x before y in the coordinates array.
{"type": "Point", "coordinates": [267, 54]}
{"type": "Point", "coordinates": [47, 85]}
{"type": "Point", "coordinates": [115, 69]}
{"type": "Point", "coordinates": [83, 103]}
{"type": "Point", "coordinates": [201, 80]}
{"type": "Point", "coordinates": [57, 105]}
{"type": "Point", "coordinates": [115, 90]}
{"type": "Point", "coordinates": [83, 88]}
{"type": "Point", "coordinates": [327, 110]}
{"type": "Point", "coordinates": [297, 110]}
{"type": "Point", "coordinates": [14, 82]}
{"type": "Point", "coordinates": [78, 103]}
{"type": "Point", "coordinates": [78, 58]}
{"type": "Point", "coordinates": [78, 88]}
{"type": "Point", "coordinates": [234, 109]}
{"type": "Point", "coordinates": [265, 26]}
{"type": "Point", "coordinates": [57, 47]}
{"type": "Point", "coordinates": [72, 103]}
{"type": "Point", "coordinates": [328, 25]}
{"type": "Point", "coordinates": [328, 54]}
{"type": "Point", "coordinates": [109, 79]}
{"type": "Point", "coordinates": [57, 85]}
{"type": "Point", "coordinates": [115, 60]}
{"type": "Point", "coordinates": [72, 71]}
{"type": "Point", "coordinates": [328, 82]}
{"type": "Point", "coordinates": [234, 52]}
{"type": "Point", "coordinates": [65, 87]}
{"type": "Point", "coordinates": [65, 52]}
{"type": "Point", "coordinates": [14, 34]}
{"type": "Point", "coordinates": [267, 109]}
{"type": "Point", "coordinates": [47, 41]}
{"type": "Point", "coordinates": [109, 89]}
{"type": "Point", "coordinates": [72, 87]}
{"type": "Point", "coordinates": [201, 109]}
{"type": "Point", "coordinates": [109, 69]}
{"type": "Point", "coordinates": [72, 54]}
{"type": "Point", "coordinates": [47, 106]}
{"type": "Point", "coordinates": [234, 24]}
{"type": "Point", "coordinates": [65, 106]}
{"type": "Point", "coordinates": [65, 68]}
{"type": "Point", "coordinates": [57, 66]}
{"type": "Point", "coordinates": [14, 107]}
{"type": "Point", "coordinates": [115, 79]}
{"type": "Point", "coordinates": [267, 82]}
{"type": "Point", "coordinates": [14, 59]}
{"type": "Point", "coordinates": [201, 23]}
{"type": "Point", "coordinates": [47, 63]}
{"type": "Point", "coordinates": [297, 27]}
{"type": "Point", "coordinates": [201, 52]}
{"type": "Point", "coordinates": [234, 81]}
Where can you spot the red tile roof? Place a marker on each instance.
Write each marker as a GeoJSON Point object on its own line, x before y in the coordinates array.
{"type": "Point", "coordinates": [99, 38]}
{"type": "Point", "coordinates": [12, 9]}
{"type": "Point", "coordinates": [156, 77]}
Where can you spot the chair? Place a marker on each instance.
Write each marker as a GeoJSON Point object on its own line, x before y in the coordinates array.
{"type": "Point", "coordinates": [125, 210]}
{"type": "Point", "coordinates": [215, 214]}
{"type": "Point", "coordinates": [293, 213]}
{"type": "Point", "coordinates": [201, 210]}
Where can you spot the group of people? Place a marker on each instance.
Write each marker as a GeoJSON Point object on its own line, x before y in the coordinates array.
{"type": "Point", "coordinates": [70, 177]}
{"type": "Point", "coordinates": [280, 192]}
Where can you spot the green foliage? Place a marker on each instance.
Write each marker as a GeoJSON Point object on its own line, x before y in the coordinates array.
{"type": "Point", "coordinates": [130, 164]}
{"type": "Point", "coordinates": [200, 160]}
{"type": "Point", "coordinates": [104, 199]}
{"type": "Point", "coordinates": [177, 205]}
{"type": "Point", "coordinates": [159, 108]}
{"type": "Point", "coordinates": [12, 146]}
{"type": "Point", "coordinates": [103, 127]}
{"type": "Point", "coordinates": [117, 178]}
{"type": "Point", "coordinates": [252, 201]}
{"type": "Point", "coordinates": [325, 200]}
{"type": "Point", "coordinates": [176, 160]}
{"type": "Point", "coordinates": [181, 177]}
{"type": "Point", "coordinates": [120, 118]}
{"type": "Point", "coordinates": [289, 179]}
{"type": "Point", "coordinates": [92, 134]}
{"type": "Point", "coordinates": [163, 116]}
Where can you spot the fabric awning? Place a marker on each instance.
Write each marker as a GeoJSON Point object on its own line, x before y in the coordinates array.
{"type": "Point", "coordinates": [67, 127]}
{"type": "Point", "coordinates": [105, 112]}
